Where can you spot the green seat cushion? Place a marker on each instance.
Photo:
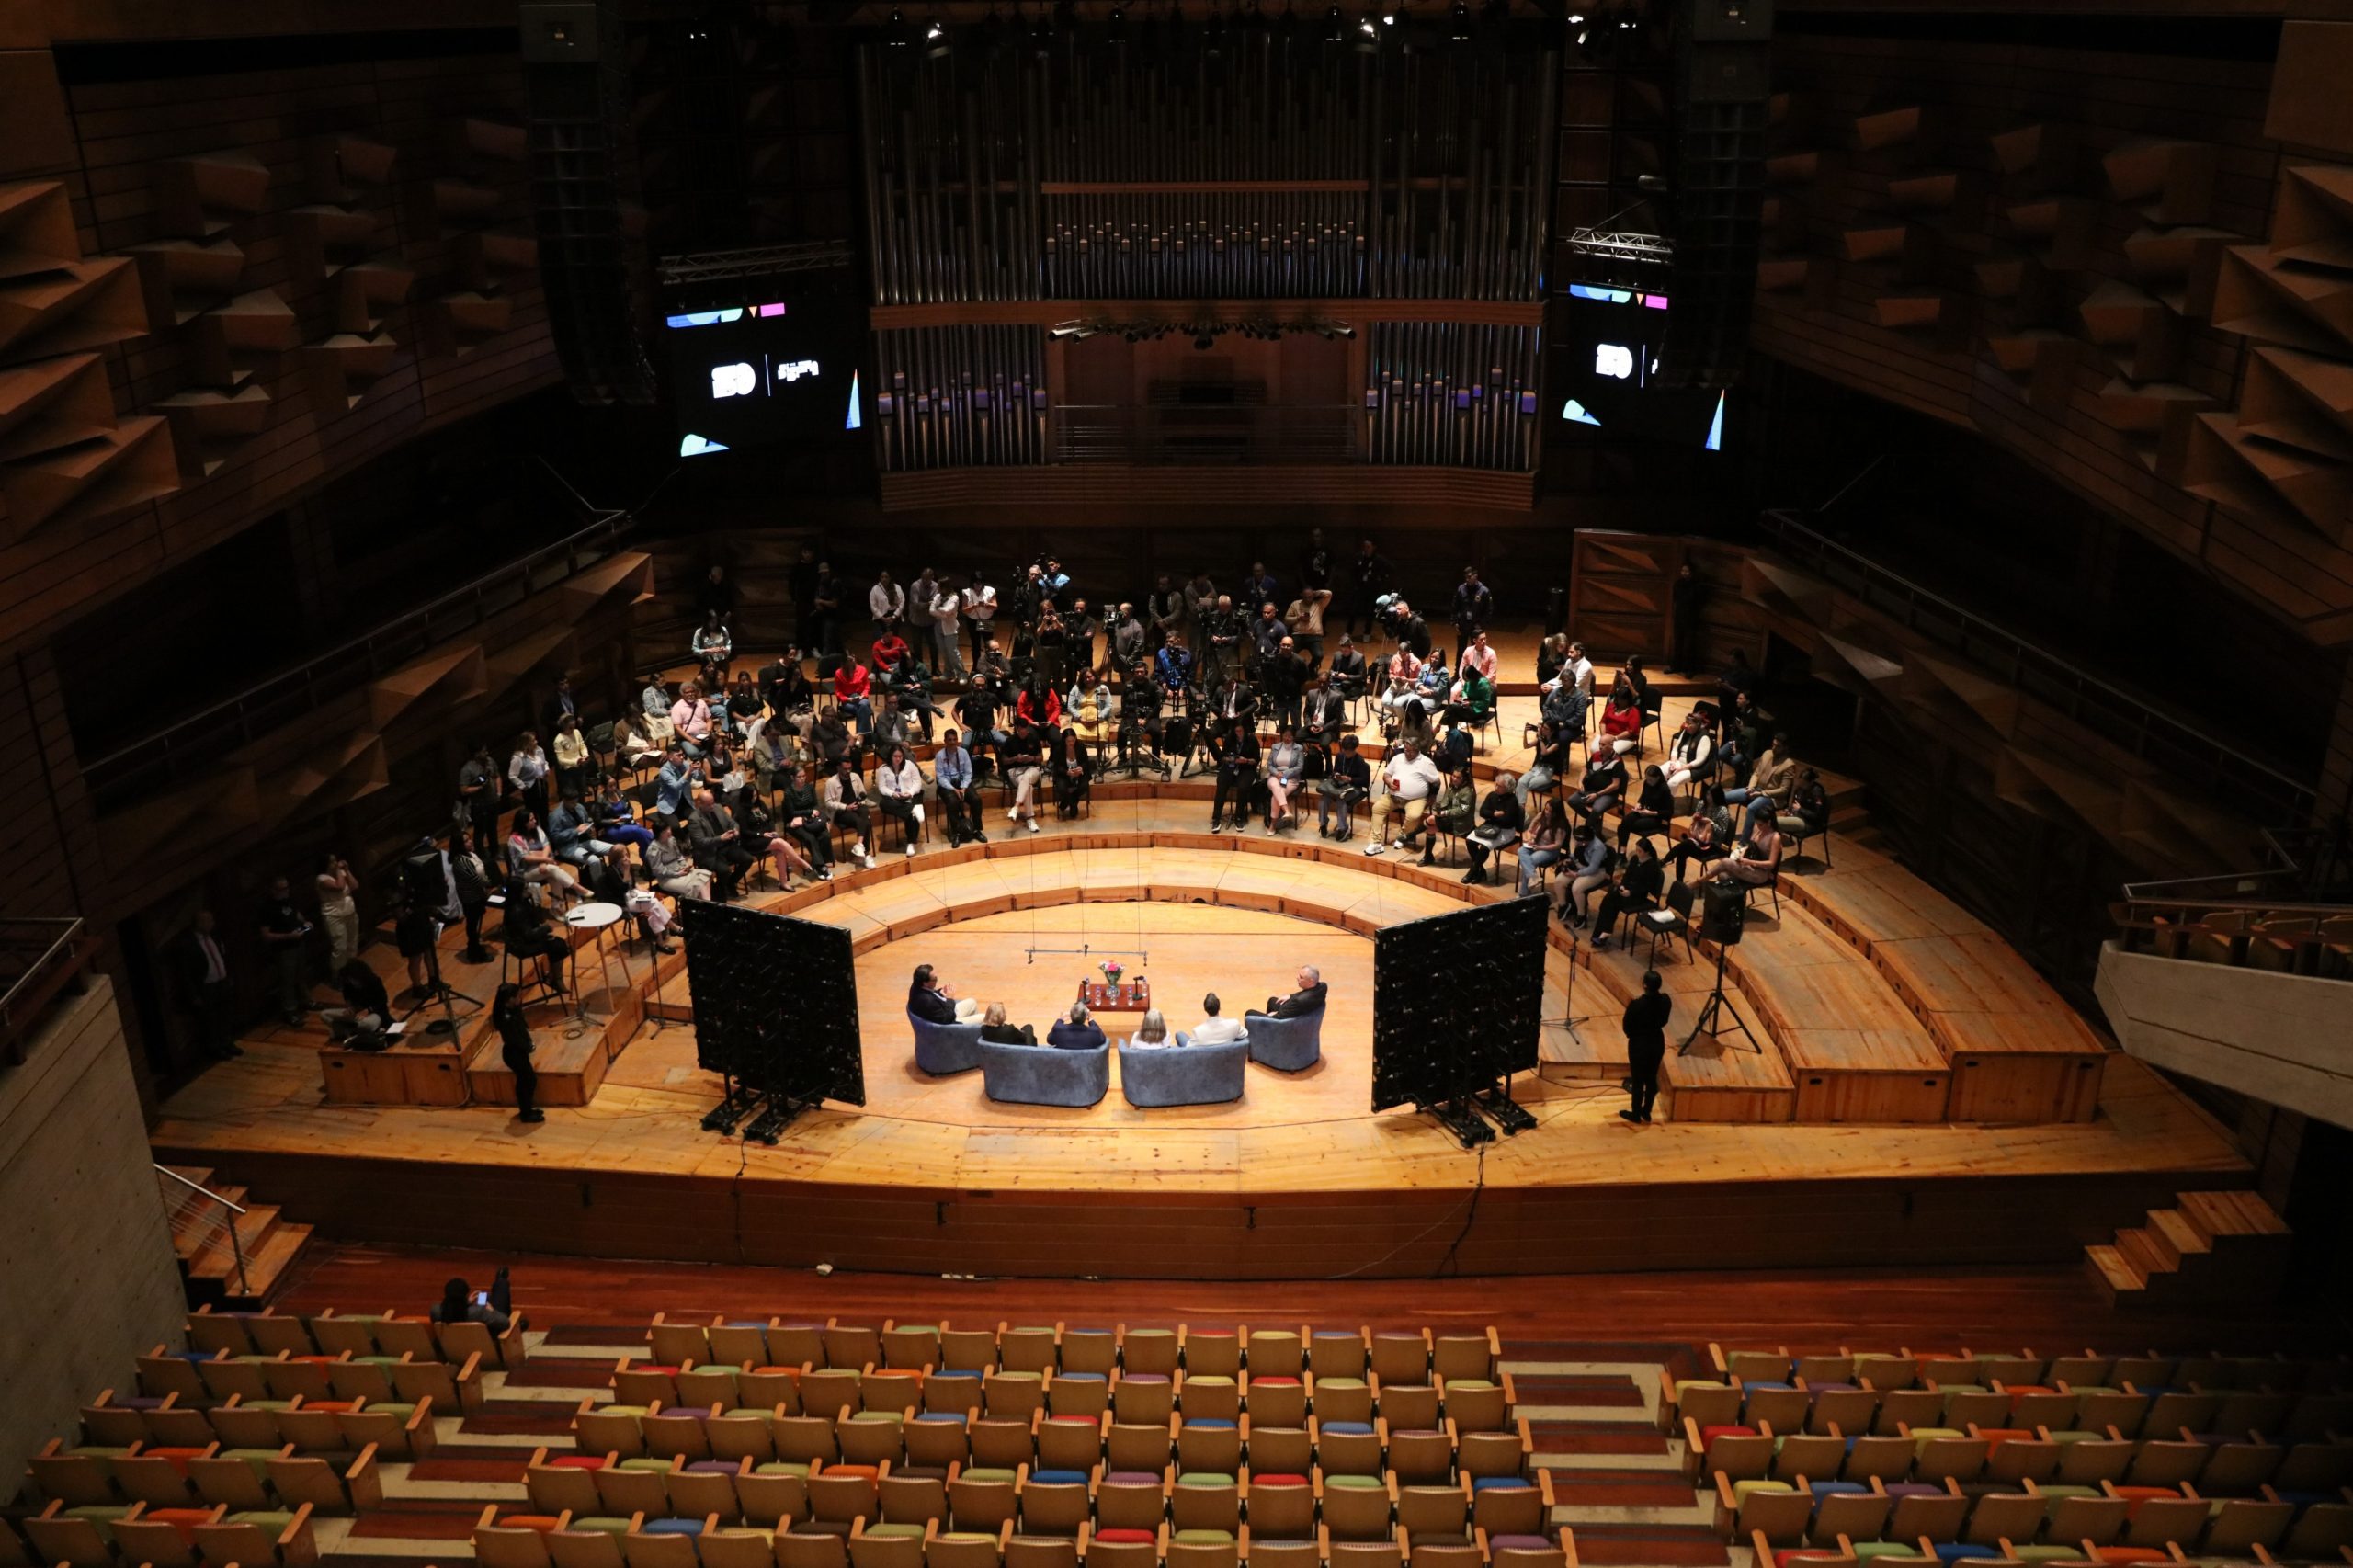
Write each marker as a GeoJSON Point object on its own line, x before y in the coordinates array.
{"type": "Point", "coordinates": [643, 1464]}
{"type": "Point", "coordinates": [619, 1410]}
{"type": "Point", "coordinates": [1205, 1478]}
{"type": "Point", "coordinates": [780, 1467]}
{"type": "Point", "coordinates": [969, 1535]}
{"type": "Point", "coordinates": [2069, 1489]}
{"type": "Point", "coordinates": [376, 1360]}
{"type": "Point", "coordinates": [611, 1524]}
{"type": "Point", "coordinates": [897, 1532]}
{"type": "Point", "coordinates": [402, 1408]}
{"type": "Point", "coordinates": [1211, 1380]}
{"type": "Point", "coordinates": [1203, 1538]}
{"type": "Point", "coordinates": [1353, 1483]}
{"type": "Point", "coordinates": [2049, 1554]}
{"type": "Point", "coordinates": [1867, 1549]}
{"type": "Point", "coordinates": [1685, 1385]}
{"type": "Point", "coordinates": [1339, 1383]}
{"type": "Point", "coordinates": [258, 1458]}
{"type": "Point", "coordinates": [272, 1519]}
{"type": "Point", "coordinates": [1743, 1488]}
{"type": "Point", "coordinates": [991, 1472]}
{"type": "Point", "coordinates": [877, 1416]}
{"type": "Point", "coordinates": [1015, 1377]}
{"type": "Point", "coordinates": [1469, 1384]}
{"type": "Point", "coordinates": [99, 1516]}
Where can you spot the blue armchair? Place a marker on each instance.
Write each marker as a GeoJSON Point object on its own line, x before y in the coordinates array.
{"type": "Point", "coordinates": [942, 1048]}
{"type": "Point", "coordinates": [1040, 1075]}
{"type": "Point", "coordinates": [1196, 1075]}
{"type": "Point", "coordinates": [1291, 1045]}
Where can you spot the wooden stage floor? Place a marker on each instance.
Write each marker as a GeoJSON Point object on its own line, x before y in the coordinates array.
{"type": "Point", "coordinates": [1300, 1179]}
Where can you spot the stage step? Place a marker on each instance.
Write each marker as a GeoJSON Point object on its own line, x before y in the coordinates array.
{"type": "Point", "coordinates": [209, 1239]}
{"type": "Point", "coordinates": [2212, 1248]}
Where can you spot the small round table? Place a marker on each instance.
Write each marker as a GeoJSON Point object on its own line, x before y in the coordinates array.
{"type": "Point", "coordinates": [596, 918]}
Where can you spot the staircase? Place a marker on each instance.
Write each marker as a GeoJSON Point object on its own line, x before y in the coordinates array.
{"type": "Point", "coordinates": [232, 1252]}
{"type": "Point", "coordinates": [2212, 1247]}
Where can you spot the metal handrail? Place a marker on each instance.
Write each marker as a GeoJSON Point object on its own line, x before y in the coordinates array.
{"type": "Point", "coordinates": [236, 1212]}
{"type": "Point", "coordinates": [2107, 710]}
{"type": "Point", "coordinates": [153, 760]}
{"type": "Point", "coordinates": [31, 989]}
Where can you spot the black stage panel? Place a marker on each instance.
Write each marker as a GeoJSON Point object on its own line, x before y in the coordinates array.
{"type": "Point", "coordinates": [775, 1000]}
{"type": "Point", "coordinates": [1457, 1001]}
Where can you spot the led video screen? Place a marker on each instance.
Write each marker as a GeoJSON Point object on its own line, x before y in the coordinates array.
{"type": "Point", "coordinates": [777, 366]}
{"type": "Point", "coordinates": [1605, 363]}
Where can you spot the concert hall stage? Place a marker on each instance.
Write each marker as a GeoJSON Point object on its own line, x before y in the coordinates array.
{"type": "Point", "coordinates": [1879, 1011]}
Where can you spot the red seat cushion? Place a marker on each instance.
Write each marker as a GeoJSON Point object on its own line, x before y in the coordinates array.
{"type": "Point", "coordinates": [176, 1458]}
{"type": "Point", "coordinates": [182, 1520]}
{"type": "Point", "coordinates": [1996, 1435]}
{"type": "Point", "coordinates": [578, 1461]}
{"type": "Point", "coordinates": [1279, 1480]}
{"type": "Point", "coordinates": [1708, 1434]}
{"type": "Point", "coordinates": [1127, 1537]}
{"type": "Point", "coordinates": [868, 1471]}
{"type": "Point", "coordinates": [540, 1522]}
{"type": "Point", "coordinates": [2130, 1554]}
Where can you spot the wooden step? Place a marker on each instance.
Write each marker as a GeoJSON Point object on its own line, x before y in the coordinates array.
{"type": "Point", "coordinates": [216, 1257]}
{"type": "Point", "coordinates": [268, 1268]}
{"type": "Point", "coordinates": [2147, 1254]}
{"type": "Point", "coordinates": [2114, 1274]}
{"type": "Point", "coordinates": [2185, 1239]}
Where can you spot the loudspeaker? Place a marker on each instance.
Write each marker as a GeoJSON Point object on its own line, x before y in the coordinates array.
{"type": "Point", "coordinates": [1723, 78]}
{"type": "Point", "coordinates": [1723, 911]}
{"type": "Point", "coordinates": [1457, 1002]}
{"type": "Point", "coordinates": [592, 270]}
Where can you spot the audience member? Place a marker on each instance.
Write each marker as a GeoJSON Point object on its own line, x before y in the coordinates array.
{"type": "Point", "coordinates": [1457, 805]}
{"type": "Point", "coordinates": [1652, 810]}
{"type": "Point", "coordinates": [1348, 780]}
{"type": "Point", "coordinates": [898, 788]}
{"type": "Point", "coordinates": [1025, 761]}
{"type": "Point", "coordinates": [1501, 817]}
{"type": "Point", "coordinates": [530, 858]}
{"type": "Point", "coordinates": [457, 1304]}
{"type": "Point", "coordinates": [1587, 872]}
{"type": "Point", "coordinates": [211, 992]}
{"type": "Point", "coordinates": [847, 806]}
{"type": "Point", "coordinates": [1621, 718]}
{"type": "Point", "coordinates": [978, 600]}
{"type": "Point", "coordinates": [515, 1048]}
{"type": "Point", "coordinates": [1285, 764]}
{"type": "Point", "coordinates": [530, 934]}
{"type": "Point", "coordinates": [1707, 836]}
{"type": "Point", "coordinates": [1475, 607]}
{"type": "Point", "coordinates": [1369, 576]}
{"type": "Point", "coordinates": [668, 864]}
{"type": "Point", "coordinates": [1545, 843]}
{"type": "Point", "coordinates": [959, 796]}
{"type": "Point", "coordinates": [285, 937]}
{"type": "Point", "coordinates": [854, 694]}
{"type": "Point", "coordinates": [1234, 747]}
{"type": "Point", "coordinates": [718, 845]}
{"type": "Point", "coordinates": [479, 793]}
{"type": "Point", "coordinates": [1072, 765]}
{"type": "Point", "coordinates": [1641, 881]}
{"type": "Point", "coordinates": [1409, 781]}
{"type": "Point", "coordinates": [1691, 757]}
{"type": "Point", "coordinates": [469, 878]}
{"type": "Point", "coordinates": [714, 645]}
{"type": "Point", "coordinates": [338, 886]}
{"type": "Point", "coordinates": [886, 603]}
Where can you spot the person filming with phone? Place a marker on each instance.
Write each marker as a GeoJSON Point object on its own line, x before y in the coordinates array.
{"type": "Point", "coordinates": [494, 1308]}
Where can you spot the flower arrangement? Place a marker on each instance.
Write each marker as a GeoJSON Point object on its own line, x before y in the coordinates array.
{"type": "Point", "coordinates": [1111, 972]}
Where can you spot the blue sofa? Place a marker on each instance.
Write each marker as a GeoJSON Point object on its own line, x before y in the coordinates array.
{"type": "Point", "coordinates": [942, 1048]}
{"type": "Point", "coordinates": [1042, 1074]}
{"type": "Point", "coordinates": [1291, 1045]}
{"type": "Point", "coordinates": [1184, 1073]}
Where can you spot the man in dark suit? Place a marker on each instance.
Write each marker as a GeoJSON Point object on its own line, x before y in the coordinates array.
{"type": "Point", "coordinates": [206, 966]}
{"type": "Point", "coordinates": [718, 844]}
{"type": "Point", "coordinates": [1645, 1027]}
{"type": "Point", "coordinates": [562, 705]}
{"type": "Point", "coordinates": [1308, 998]}
{"type": "Point", "coordinates": [1077, 1031]}
{"type": "Point", "coordinates": [929, 1000]}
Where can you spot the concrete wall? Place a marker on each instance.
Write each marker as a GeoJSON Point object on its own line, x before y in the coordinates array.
{"type": "Point", "coordinates": [87, 1279]}
{"type": "Point", "coordinates": [2283, 1038]}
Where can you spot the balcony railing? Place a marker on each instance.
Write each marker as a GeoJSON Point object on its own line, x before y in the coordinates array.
{"type": "Point", "coordinates": [2180, 749]}
{"type": "Point", "coordinates": [1221, 435]}
{"type": "Point", "coordinates": [38, 961]}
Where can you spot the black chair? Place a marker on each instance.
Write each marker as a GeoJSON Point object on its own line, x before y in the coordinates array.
{"type": "Point", "coordinates": [1672, 921]}
{"type": "Point", "coordinates": [1653, 718]}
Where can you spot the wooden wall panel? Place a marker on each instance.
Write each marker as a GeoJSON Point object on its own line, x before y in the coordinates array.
{"type": "Point", "coordinates": [132, 132]}
{"type": "Point", "coordinates": [2060, 215]}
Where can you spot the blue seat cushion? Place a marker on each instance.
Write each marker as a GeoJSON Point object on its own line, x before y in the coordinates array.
{"type": "Point", "coordinates": [1057, 1478]}
{"type": "Point", "coordinates": [1216, 1423]}
{"type": "Point", "coordinates": [1837, 1488]}
{"type": "Point", "coordinates": [1498, 1483]}
{"type": "Point", "coordinates": [674, 1526]}
{"type": "Point", "coordinates": [1348, 1428]}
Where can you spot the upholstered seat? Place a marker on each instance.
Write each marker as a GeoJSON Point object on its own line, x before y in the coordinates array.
{"type": "Point", "coordinates": [1032, 1074]}
{"type": "Point", "coordinates": [941, 1048]}
{"type": "Point", "coordinates": [1288, 1045]}
{"type": "Point", "coordinates": [1183, 1074]}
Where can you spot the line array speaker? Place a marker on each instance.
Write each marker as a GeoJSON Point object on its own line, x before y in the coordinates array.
{"type": "Point", "coordinates": [594, 271]}
{"type": "Point", "coordinates": [1723, 78]}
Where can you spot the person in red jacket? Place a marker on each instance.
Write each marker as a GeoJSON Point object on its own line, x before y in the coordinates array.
{"type": "Point", "coordinates": [854, 694]}
{"type": "Point", "coordinates": [890, 656]}
{"type": "Point", "coordinates": [1042, 705]}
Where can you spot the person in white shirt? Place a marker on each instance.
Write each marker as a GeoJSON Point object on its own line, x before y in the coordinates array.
{"type": "Point", "coordinates": [1404, 678]}
{"type": "Point", "coordinates": [1411, 780]}
{"type": "Point", "coordinates": [888, 602]}
{"type": "Point", "coordinates": [1213, 1030]}
{"type": "Point", "coordinates": [526, 772]}
{"type": "Point", "coordinates": [946, 605]}
{"type": "Point", "coordinates": [1478, 656]}
{"type": "Point", "coordinates": [1576, 670]}
{"type": "Point", "coordinates": [899, 782]}
{"type": "Point", "coordinates": [691, 718]}
{"type": "Point", "coordinates": [979, 611]}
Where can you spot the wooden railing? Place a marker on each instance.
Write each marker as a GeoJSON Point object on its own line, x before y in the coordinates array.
{"type": "Point", "coordinates": [38, 961]}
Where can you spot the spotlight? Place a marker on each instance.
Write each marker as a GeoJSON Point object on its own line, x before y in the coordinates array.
{"type": "Point", "coordinates": [896, 32]}
{"type": "Point", "coordinates": [1115, 25]}
{"type": "Point", "coordinates": [1336, 25]}
{"type": "Point", "coordinates": [1458, 22]}
{"type": "Point", "coordinates": [935, 38]}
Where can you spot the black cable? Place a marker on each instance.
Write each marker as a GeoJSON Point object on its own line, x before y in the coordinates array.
{"type": "Point", "coordinates": [1470, 1217]}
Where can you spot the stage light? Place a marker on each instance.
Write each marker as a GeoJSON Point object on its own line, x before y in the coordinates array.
{"type": "Point", "coordinates": [1336, 25]}
{"type": "Point", "coordinates": [1115, 25]}
{"type": "Point", "coordinates": [935, 38]}
{"type": "Point", "coordinates": [1458, 22]}
{"type": "Point", "coordinates": [896, 32]}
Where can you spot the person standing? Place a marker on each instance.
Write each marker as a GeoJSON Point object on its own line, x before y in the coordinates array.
{"type": "Point", "coordinates": [283, 932]}
{"type": "Point", "coordinates": [339, 910]}
{"type": "Point", "coordinates": [515, 1050]}
{"type": "Point", "coordinates": [469, 878]}
{"type": "Point", "coordinates": [1645, 1025]}
{"type": "Point", "coordinates": [209, 992]}
{"type": "Point", "coordinates": [1474, 606]}
{"type": "Point", "coordinates": [979, 602]}
{"type": "Point", "coordinates": [1370, 575]}
{"type": "Point", "coordinates": [479, 791]}
{"type": "Point", "coordinates": [947, 605]}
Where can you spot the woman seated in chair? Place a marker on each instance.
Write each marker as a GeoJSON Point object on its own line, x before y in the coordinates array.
{"type": "Point", "coordinates": [531, 935]}
{"type": "Point", "coordinates": [1501, 816]}
{"type": "Point", "coordinates": [1621, 719]}
{"type": "Point", "coordinates": [1286, 773]}
{"type": "Point", "coordinates": [1551, 761]}
{"type": "Point", "coordinates": [1546, 841]}
{"type": "Point", "coordinates": [1641, 879]}
{"type": "Point", "coordinates": [997, 1031]}
{"type": "Point", "coordinates": [1152, 1032]}
{"type": "Point", "coordinates": [1072, 761]}
{"type": "Point", "coordinates": [1653, 809]}
{"type": "Point", "coordinates": [1457, 805]}
{"type": "Point", "coordinates": [1692, 757]}
{"type": "Point", "coordinates": [1758, 859]}
{"type": "Point", "coordinates": [1706, 836]}
{"type": "Point", "coordinates": [1603, 786]}
{"type": "Point", "coordinates": [1087, 706]}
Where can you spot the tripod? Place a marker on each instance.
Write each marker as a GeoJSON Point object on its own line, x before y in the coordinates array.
{"type": "Point", "coordinates": [438, 990]}
{"type": "Point", "coordinates": [1713, 1014]}
{"type": "Point", "coordinates": [1574, 1018]}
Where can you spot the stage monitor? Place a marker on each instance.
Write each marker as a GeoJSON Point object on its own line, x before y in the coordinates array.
{"type": "Point", "coordinates": [1457, 1002]}
{"type": "Point", "coordinates": [775, 1001]}
{"type": "Point", "coordinates": [1605, 346]}
{"type": "Point", "coordinates": [772, 363]}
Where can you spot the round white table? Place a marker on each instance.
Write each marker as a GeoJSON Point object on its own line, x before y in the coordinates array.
{"type": "Point", "coordinates": [598, 919]}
